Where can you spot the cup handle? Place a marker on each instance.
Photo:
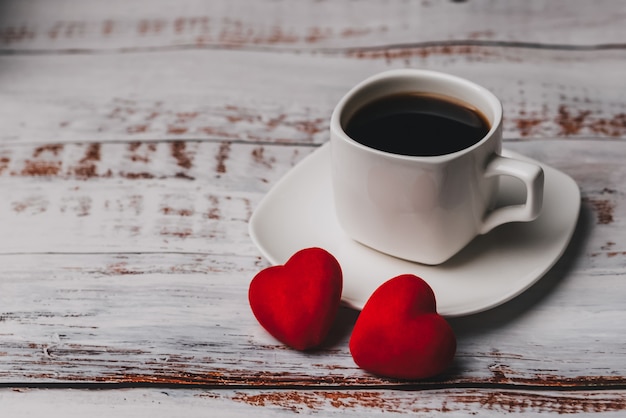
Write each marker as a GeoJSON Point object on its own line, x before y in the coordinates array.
{"type": "Point", "coordinates": [532, 177]}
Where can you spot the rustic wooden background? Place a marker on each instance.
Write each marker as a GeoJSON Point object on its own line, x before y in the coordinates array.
{"type": "Point", "coordinates": [137, 137]}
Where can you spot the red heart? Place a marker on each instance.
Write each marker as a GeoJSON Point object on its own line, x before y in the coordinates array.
{"type": "Point", "coordinates": [297, 302]}
{"type": "Point", "coordinates": [399, 333]}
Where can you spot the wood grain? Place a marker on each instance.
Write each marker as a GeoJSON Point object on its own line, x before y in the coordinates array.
{"type": "Point", "coordinates": [212, 94]}
{"type": "Point", "coordinates": [197, 196]}
{"type": "Point", "coordinates": [65, 26]}
{"type": "Point", "coordinates": [136, 197]}
{"type": "Point", "coordinates": [351, 403]}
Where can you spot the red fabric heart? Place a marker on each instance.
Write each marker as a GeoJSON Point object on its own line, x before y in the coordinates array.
{"type": "Point", "coordinates": [399, 333]}
{"type": "Point", "coordinates": [297, 302]}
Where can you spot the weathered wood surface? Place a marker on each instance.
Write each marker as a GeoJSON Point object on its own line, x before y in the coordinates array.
{"type": "Point", "coordinates": [119, 25]}
{"type": "Point", "coordinates": [459, 403]}
{"type": "Point", "coordinates": [258, 97]}
{"type": "Point", "coordinates": [119, 280]}
{"type": "Point", "coordinates": [137, 139]}
{"type": "Point", "coordinates": [70, 72]}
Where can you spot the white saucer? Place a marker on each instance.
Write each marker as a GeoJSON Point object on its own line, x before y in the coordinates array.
{"type": "Point", "coordinates": [299, 213]}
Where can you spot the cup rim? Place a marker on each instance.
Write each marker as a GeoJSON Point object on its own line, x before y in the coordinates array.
{"type": "Point", "coordinates": [338, 131]}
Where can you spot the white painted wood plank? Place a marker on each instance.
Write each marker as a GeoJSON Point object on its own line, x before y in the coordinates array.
{"type": "Point", "coordinates": [184, 319]}
{"type": "Point", "coordinates": [157, 403]}
{"type": "Point", "coordinates": [45, 25]}
{"type": "Point", "coordinates": [278, 97]}
{"type": "Point", "coordinates": [133, 197]}
{"type": "Point", "coordinates": [198, 196]}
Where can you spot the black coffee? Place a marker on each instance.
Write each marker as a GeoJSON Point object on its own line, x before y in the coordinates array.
{"type": "Point", "coordinates": [417, 124]}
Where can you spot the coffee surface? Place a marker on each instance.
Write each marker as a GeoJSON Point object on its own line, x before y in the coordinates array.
{"type": "Point", "coordinates": [417, 125]}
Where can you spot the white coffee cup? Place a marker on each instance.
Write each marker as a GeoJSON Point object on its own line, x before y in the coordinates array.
{"type": "Point", "coordinates": [425, 208]}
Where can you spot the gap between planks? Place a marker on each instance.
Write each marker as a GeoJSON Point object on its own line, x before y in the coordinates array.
{"type": "Point", "coordinates": [402, 387]}
{"type": "Point", "coordinates": [351, 51]}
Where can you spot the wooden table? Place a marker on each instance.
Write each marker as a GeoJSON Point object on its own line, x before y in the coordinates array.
{"type": "Point", "coordinates": [138, 137]}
